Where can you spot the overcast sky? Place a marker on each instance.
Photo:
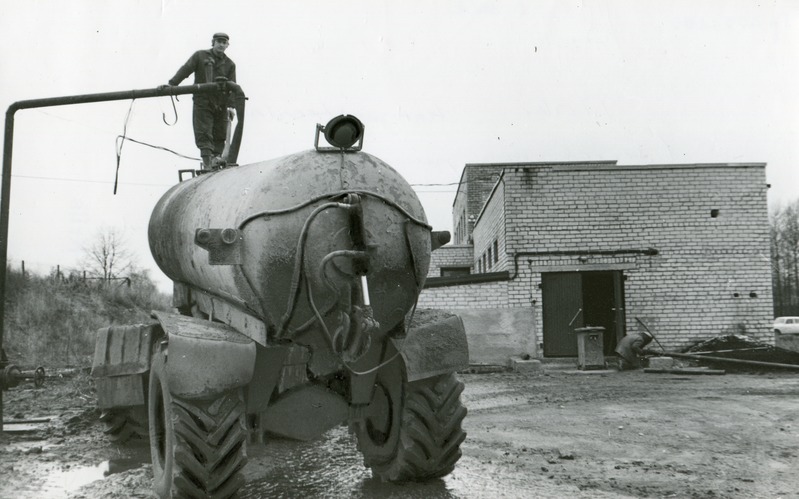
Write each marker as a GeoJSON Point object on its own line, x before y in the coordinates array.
{"type": "Point", "coordinates": [438, 84]}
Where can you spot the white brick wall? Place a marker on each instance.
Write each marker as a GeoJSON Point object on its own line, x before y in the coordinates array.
{"type": "Point", "coordinates": [490, 227]}
{"type": "Point", "coordinates": [686, 293]}
{"type": "Point", "coordinates": [450, 256]}
{"type": "Point", "coordinates": [479, 295]}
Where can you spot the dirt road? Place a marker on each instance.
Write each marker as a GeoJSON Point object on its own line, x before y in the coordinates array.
{"type": "Point", "coordinates": [559, 434]}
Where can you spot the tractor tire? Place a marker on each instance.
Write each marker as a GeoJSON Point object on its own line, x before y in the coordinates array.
{"type": "Point", "coordinates": [197, 446]}
{"type": "Point", "coordinates": [125, 425]}
{"type": "Point", "coordinates": [412, 431]}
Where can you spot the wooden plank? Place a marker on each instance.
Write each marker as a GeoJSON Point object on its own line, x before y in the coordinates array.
{"type": "Point", "coordinates": [27, 421]}
{"type": "Point", "coordinates": [23, 427]}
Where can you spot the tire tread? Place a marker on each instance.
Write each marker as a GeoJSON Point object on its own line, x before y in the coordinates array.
{"type": "Point", "coordinates": [430, 433]}
{"type": "Point", "coordinates": [210, 452]}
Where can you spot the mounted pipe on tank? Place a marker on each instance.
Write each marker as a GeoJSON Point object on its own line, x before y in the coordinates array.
{"type": "Point", "coordinates": [352, 339]}
{"type": "Point", "coordinates": [223, 245]}
{"type": "Point", "coordinates": [360, 265]}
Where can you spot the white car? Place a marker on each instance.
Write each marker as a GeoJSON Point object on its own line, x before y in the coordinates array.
{"type": "Point", "coordinates": [786, 325]}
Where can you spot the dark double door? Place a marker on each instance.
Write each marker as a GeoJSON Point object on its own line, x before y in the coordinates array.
{"type": "Point", "coordinates": [577, 299]}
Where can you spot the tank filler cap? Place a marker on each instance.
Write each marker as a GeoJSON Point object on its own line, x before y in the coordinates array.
{"type": "Point", "coordinates": [344, 133]}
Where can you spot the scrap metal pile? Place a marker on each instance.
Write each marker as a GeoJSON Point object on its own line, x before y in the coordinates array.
{"type": "Point", "coordinates": [735, 353]}
{"type": "Point", "coordinates": [749, 352]}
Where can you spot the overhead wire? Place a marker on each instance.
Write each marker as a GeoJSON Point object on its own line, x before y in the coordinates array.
{"type": "Point", "coordinates": [162, 148]}
{"type": "Point", "coordinates": [88, 181]}
{"type": "Point", "coordinates": [122, 137]}
{"type": "Point", "coordinates": [120, 140]}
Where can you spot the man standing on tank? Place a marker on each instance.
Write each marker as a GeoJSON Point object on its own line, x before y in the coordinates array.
{"type": "Point", "coordinates": [212, 112]}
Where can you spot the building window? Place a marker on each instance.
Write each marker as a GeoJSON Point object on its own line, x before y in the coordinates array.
{"type": "Point", "coordinates": [454, 271]}
{"type": "Point", "coordinates": [489, 259]}
{"type": "Point", "coordinates": [496, 251]}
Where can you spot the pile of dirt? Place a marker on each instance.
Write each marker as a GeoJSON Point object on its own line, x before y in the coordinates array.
{"type": "Point", "coordinates": [424, 316]}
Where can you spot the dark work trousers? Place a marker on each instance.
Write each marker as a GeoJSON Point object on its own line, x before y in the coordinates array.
{"type": "Point", "coordinates": [210, 127]}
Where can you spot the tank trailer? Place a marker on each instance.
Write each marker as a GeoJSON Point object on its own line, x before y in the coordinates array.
{"type": "Point", "coordinates": [295, 280]}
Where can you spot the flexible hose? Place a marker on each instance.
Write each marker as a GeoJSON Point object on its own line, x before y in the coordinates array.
{"type": "Point", "coordinates": [298, 266]}
{"type": "Point", "coordinates": [295, 280]}
{"type": "Point", "coordinates": [331, 196]}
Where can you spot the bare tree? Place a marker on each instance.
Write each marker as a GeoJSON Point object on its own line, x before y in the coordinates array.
{"type": "Point", "coordinates": [107, 258]}
{"type": "Point", "coordinates": [785, 259]}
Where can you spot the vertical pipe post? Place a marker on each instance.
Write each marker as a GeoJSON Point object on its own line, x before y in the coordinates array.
{"type": "Point", "coordinates": [5, 192]}
{"type": "Point", "coordinates": [8, 139]}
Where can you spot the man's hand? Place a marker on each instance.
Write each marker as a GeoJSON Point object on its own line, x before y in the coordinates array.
{"type": "Point", "coordinates": [164, 87]}
{"type": "Point", "coordinates": [231, 113]}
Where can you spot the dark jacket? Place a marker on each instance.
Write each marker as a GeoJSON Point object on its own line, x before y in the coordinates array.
{"type": "Point", "coordinates": [631, 347]}
{"type": "Point", "coordinates": [206, 66]}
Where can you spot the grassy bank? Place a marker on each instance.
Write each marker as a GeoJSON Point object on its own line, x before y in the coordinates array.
{"type": "Point", "coordinates": [52, 321]}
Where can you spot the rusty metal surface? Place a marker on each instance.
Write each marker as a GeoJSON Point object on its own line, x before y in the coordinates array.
{"type": "Point", "coordinates": [434, 349]}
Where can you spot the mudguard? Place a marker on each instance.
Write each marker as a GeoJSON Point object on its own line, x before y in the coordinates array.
{"type": "Point", "coordinates": [434, 349]}
{"type": "Point", "coordinates": [121, 364]}
{"type": "Point", "coordinates": [205, 358]}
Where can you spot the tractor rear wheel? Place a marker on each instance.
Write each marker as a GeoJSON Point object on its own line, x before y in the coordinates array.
{"type": "Point", "coordinates": [197, 446]}
{"type": "Point", "coordinates": [412, 430]}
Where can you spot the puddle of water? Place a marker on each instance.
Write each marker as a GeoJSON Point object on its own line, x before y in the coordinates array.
{"type": "Point", "coordinates": [124, 464]}
{"type": "Point", "coordinates": [72, 479]}
{"type": "Point", "coordinates": [330, 467]}
{"type": "Point", "coordinates": [61, 482]}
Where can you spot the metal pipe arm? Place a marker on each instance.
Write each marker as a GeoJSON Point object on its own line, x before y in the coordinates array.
{"type": "Point", "coordinates": [161, 91]}
{"type": "Point", "coordinates": [5, 189]}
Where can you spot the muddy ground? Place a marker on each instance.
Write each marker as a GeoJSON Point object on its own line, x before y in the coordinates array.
{"type": "Point", "coordinates": [560, 433]}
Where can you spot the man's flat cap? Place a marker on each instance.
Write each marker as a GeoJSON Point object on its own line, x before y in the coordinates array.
{"type": "Point", "coordinates": [221, 35]}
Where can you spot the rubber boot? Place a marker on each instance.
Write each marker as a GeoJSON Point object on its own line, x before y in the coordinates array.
{"type": "Point", "coordinates": [217, 163]}
{"type": "Point", "coordinates": [207, 157]}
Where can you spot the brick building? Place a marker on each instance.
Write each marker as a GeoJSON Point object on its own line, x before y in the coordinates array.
{"type": "Point", "coordinates": [542, 248]}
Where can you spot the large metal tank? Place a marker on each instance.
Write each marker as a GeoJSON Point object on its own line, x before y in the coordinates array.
{"type": "Point", "coordinates": [293, 224]}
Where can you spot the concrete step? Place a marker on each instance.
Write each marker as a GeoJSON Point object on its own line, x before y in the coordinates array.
{"type": "Point", "coordinates": [571, 365]}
